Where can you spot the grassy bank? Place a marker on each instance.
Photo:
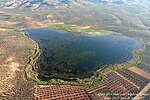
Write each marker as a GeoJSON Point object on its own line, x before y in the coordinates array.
{"type": "Point", "coordinates": [74, 28]}
{"type": "Point", "coordinates": [28, 70]}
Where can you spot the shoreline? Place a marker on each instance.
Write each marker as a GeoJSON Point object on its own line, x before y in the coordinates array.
{"type": "Point", "coordinates": [32, 57]}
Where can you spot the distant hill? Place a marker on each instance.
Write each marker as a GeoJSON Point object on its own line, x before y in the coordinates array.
{"type": "Point", "coordinates": [43, 4]}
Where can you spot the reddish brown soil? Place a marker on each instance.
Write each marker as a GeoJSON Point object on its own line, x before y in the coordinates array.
{"type": "Point", "coordinates": [60, 92]}
{"type": "Point", "coordinates": [140, 72]}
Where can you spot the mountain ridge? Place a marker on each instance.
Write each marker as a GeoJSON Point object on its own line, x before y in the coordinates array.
{"type": "Point", "coordinates": [35, 4]}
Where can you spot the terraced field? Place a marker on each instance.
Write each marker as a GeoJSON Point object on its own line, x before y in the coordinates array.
{"type": "Point", "coordinates": [60, 92]}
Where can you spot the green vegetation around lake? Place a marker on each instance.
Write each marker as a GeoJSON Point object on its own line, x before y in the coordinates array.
{"type": "Point", "coordinates": [74, 28]}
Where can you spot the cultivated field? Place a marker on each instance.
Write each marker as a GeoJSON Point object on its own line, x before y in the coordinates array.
{"type": "Point", "coordinates": [122, 85]}
{"type": "Point", "coordinates": [60, 92]}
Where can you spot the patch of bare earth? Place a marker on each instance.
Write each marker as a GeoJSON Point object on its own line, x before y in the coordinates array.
{"type": "Point", "coordinates": [14, 54]}
{"type": "Point", "coordinates": [140, 72]}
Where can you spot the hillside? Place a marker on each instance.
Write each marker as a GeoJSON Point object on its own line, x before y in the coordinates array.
{"type": "Point", "coordinates": [44, 4]}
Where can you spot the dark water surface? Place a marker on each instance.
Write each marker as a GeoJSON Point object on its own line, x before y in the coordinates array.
{"type": "Point", "coordinates": [75, 55]}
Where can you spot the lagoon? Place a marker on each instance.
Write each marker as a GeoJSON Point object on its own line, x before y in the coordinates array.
{"type": "Point", "coordinates": [66, 54]}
